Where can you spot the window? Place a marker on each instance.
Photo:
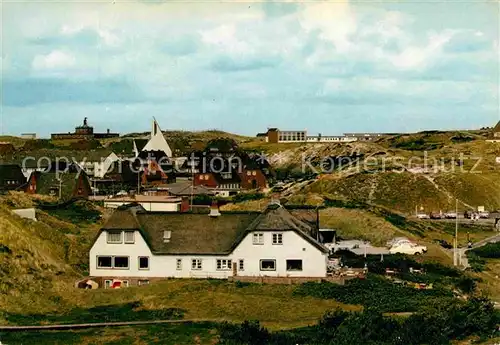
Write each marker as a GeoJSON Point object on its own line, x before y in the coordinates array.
{"type": "Point", "coordinates": [249, 173]}
{"type": "Point", "coordinates": [115, 237]}
{"type": "Point", "coordinates": [294, 265]}
{"type": "Point", "coordinates": [129, 237]}
{"type": "Point", "coordinates": [107, 284]}
{"type": "Point", "coordinates": [254, 173]}
{"type": "Point", "coordinates": [125, 283]}
{"type": "Point", "coordinates": [223, 265]}
{"type": "Point", "coordinates": [196, 264]}
{"type": "Point", "coordinates": [241, 265]}
{"type": "Point", "coordinates": [143, 263]}
{"type": "Point", "coordinates": [268, 265]}
{"type": "Point", "coordinates": [121, 262]}
{"type": "Point", "coordinates": [167, 234]}
{"type": "Point", "coordinates": [201, 177]}
{"type": "Point", "coordinates": [104, 262]}
{"type": "Point", "coordinates": [258, 238]}
{"type": "Point", "coordinates": [143, 282]}
{"type": "Point", "coordinates": [277, 238]}
{"type": "Point", "coordinates": [178, 265]}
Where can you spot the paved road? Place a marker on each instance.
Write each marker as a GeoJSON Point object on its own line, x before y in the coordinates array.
{"type": "Point", "coordinates": [463, 251]}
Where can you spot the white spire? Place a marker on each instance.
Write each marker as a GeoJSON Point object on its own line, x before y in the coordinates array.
{"type": "Point", "coordinates": [157, 141]}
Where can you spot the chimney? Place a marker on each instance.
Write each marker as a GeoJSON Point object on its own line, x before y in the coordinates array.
{"type": "Point", "coordinates": [214, 209]}
{"type": "Point", "coordinates": [185, 205]}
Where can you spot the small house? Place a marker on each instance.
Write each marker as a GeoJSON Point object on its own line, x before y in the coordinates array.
{"type": "Point", "coordinates": [11, 177]}
{"type": "Point", "coordinates": [63, 185]}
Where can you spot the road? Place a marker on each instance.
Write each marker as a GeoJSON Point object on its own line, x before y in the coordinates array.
{"type": "Point", "coordinates": [463, 251]}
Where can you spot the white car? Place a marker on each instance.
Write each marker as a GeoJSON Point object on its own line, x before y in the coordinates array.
{"type": "Point", "coordinates": [408, 248]}
{"type": "Point", "coordinates": [423, 216]}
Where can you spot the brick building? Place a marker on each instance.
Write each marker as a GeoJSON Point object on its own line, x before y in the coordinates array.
{"type": "Point", "coordinates": [85, 132]}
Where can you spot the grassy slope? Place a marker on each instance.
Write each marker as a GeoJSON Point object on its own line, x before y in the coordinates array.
{"type": "Point", "coordinates": [40, 261]}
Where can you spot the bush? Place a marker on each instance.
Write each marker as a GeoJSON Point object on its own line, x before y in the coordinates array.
{"type": "Point", "coordinates": [247, 196]}
{"type": "Point", "coordinates": [376, 293]}
{"type": "Point", "coordinates": [477, 264]}
{"type": "Point", "coordinates": [489, 251]}
{"type": "Point", "coordinates": [438, 325]}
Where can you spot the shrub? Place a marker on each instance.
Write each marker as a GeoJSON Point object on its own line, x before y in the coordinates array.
{"type": "Point", "coordinates": [376, 293]}
{"type": "Point", "coordinates": [247, 196]}
{"type": "Point", "coordinates": [489, 251]}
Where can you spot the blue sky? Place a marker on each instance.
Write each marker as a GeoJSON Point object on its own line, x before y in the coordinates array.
{"type": "Point", "coordinates": [329, 67]}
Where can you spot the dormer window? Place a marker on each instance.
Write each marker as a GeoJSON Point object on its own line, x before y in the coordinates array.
{"type": "Point", "coordinates": [114, 237]}
{"type": "Point", "coordinates": [129, 237]}
{"type": "Point", "coordinates": [167, 234]}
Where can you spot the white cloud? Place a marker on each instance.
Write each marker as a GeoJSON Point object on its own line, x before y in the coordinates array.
{"type": "Point", "coordinates": [335, 21]}
{"type": "Point", "coordinates": [55, 60]}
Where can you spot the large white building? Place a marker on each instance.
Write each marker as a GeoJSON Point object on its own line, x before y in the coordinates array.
{"type": "Point", "coordinates": [157, 142]}
{"type": "Point", "coordinates": [137, 247]}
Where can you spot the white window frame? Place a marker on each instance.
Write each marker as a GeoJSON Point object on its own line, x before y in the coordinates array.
{"type": "Point", "coordinates": [267, 269]}
{"type": "Point", "coordinates": [104, 267]}
{"type": "Point", "coordinates": [125, 237]}
{"type": "Point", "coordinates": [178, 264]}
{"type": "Point", "coordinates": [139, 263]}
{"type": "Point", "coordinates": [295, 270]}
{"type": "Point", "coordinates": [121, 268]}
{"type": "Point", "coordinates": [108, 283]}
{"type": "Point", "coordinates": [258, 238]}
{"type": "Point", "coordinates": [108, 240]}
{"type": "Point", "coordinates": [241, 265]}
{"type": "Point", "coordinates": [196, 264]}
{"type": "Point", "coordinates": [223, 264]}
{"type": "Point", "coordinates": [277, 238]}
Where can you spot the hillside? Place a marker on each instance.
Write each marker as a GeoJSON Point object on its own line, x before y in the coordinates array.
{"type": "Point", "coordinates": [426, 171]}
{"type": "Point", "coordinates": [41, 261]}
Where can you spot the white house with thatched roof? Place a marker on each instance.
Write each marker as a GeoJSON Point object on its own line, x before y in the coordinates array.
{"type": "Point", "coordinates": [138, 247]}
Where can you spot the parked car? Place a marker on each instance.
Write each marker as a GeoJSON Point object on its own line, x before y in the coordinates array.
{"type": "Point", "coordinates": [484, 214]}
{"type": "Point", "coordinates": [437, 216]}
{"type": "Point", "coordinates": [408, 248]}
{"type": "Point", "coordinates": [450, 215]}
{"type": "Point", "coordinates": [423, 216]}
{"type": "Point", "coordinates": [444, 244]}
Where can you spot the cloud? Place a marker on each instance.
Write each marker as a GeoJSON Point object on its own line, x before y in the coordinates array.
{"type": "Point", "coordinates": [55, 60]}
{"type": "Point", "coordinates": [317, 58]}
{"type": "Point", "coordinates": [227, 64]}
{"type": "Point", "coordinates": [32, 91]}
{"type": "Point", "coordinates": [335, 22]}
{"type": "Point", "coordinates": [182, 46]}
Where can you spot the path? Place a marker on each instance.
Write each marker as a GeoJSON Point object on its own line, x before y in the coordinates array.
{"type": "Point", "coordinates": [463, 251]}
{"type": "Point", "coordinates": [101, 324]}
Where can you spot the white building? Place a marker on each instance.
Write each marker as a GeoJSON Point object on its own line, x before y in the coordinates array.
{"type": "Point", "coordinates": [98, 169]}
{"type": "Point", "coordinates": [137, 247]}
{"type": "Point", "coordinates": [150, 203]}
{"type": "Point", "coordinates": [157, 142]}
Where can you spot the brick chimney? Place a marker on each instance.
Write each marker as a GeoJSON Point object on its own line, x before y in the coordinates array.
{"type": "Point", "coordinates": [214, 209]}
{"type": "Point", "coordinates": [185, 205]}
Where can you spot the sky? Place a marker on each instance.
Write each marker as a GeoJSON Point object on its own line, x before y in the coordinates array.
{"type": "Point", "coordinates": [327, 67]}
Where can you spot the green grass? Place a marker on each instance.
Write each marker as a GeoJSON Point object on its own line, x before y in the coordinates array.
{"type": "Point", "coordinates": [172, 334]}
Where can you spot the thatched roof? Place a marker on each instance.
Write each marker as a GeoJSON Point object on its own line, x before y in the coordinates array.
{"type": "Point", "coordinates": [47, 182]}
{"type": "Point", "coordinates": [199, 234]}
